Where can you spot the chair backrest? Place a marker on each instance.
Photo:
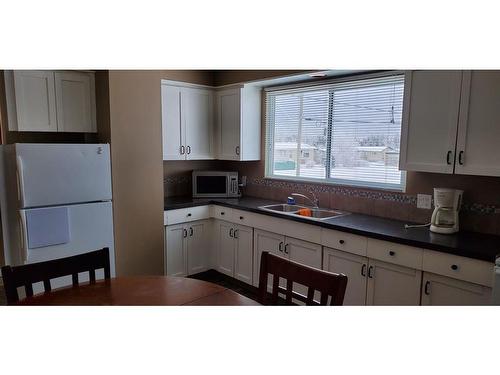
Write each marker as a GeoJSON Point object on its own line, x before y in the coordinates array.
{"type": "Point", "coordinates": [27, 275]}
{"type": "Point", "coordinates": [326, 283]}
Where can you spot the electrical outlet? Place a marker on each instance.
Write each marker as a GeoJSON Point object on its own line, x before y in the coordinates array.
{"type": "Point", "coordinates": [243, 181]}
{"type": "Point", "coordinates": [424, 201]}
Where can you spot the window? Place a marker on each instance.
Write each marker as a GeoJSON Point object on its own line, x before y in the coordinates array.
{"type": "Point", "coordinates": [346, 132]}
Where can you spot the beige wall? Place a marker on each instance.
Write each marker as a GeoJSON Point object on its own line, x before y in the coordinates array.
{"type": "Point", "coordinates": [137, 166]}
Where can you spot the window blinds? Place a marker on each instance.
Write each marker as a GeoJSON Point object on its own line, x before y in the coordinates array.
{"type": "Point", "coordinates": [346, 132]}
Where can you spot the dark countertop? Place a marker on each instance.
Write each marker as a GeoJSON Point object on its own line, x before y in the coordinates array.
{"type": "Point", "coordinates": [468, 244]}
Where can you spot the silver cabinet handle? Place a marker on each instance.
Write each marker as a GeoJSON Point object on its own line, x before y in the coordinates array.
{"type": "Point", "coordinates": [235, 234]}
{"type": "Point", "coordinates": [286, 249]}
{"type": "Point", "coordinates": [182, 150]}
{"type": "Point", "coordinates": [370, 272]}
{"type": "Point", "coordinates": [237, 150]}
{"type": "Point", "coordinates": [426, 289]}
{"type": "Point", "coordinates": [188, 149]}
{"type": "Point", "coordinates": [184, 233]}
{"type": "Point", "coordinates": [190, 232]}
{"type": "Point", "coordinates": [280, 246]}
{"type": "Point", "coordinates": [231, 232]}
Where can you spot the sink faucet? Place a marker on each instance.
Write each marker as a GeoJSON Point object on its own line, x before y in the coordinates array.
{"type": "Point", "coordinates": [314, 201]}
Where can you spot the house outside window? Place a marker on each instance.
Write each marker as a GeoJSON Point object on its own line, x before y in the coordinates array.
{"type": "Point", "coordinates": [346, 131]}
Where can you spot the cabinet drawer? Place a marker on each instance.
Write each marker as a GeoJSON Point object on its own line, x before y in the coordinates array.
{"type": "Point", "coordinates": [466, 269]}
{"type": "Point", "coordinates": [185, 215]}
{"type": "Point", "coordinates": [244, 217]}
{"type": "Point", "coordinates": [222, 213]}
{"type": "Point", "coordinates": [391, 252]}
{"type": "Point", "coordinates": [350, 243]}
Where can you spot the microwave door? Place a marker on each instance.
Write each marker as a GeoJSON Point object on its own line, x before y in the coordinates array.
{"type": "Point", "coordinates": [211, 186]}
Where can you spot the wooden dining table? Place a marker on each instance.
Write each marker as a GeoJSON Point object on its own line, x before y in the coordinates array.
{"type": "Point", "coordinates": [142, 291]}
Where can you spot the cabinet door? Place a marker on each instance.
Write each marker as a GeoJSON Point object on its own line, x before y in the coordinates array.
{"type": "Point", "coordinates": [171, 123]}
{"type": "Point", "coordinates": [197, 247]}
{"type": "Point", "coordinates": [306, 253]}
{"type": "Point", "coordinates": [229, 121]}
{"type": "Point", "coordinates": [440, 290]}
{"type": "Point", "coordinates": [389, 284]}
{"type": "Point", "coordinates": [176, 250]}
{"type": "Point", "coordinates": [243, 256]}
{"type": "Point", "coordinates": [75, 98]}
{"type": "Point", "coordinates": [197, 107]}
{"type": "Point", "coordinates": [35, 100]}
{"type": "Point", "coordinates": [479, 126]}
{"type": "Point", "coordinates": [354, 267]}
{"type": "Point", "coordinates": [225, 248]}
{"type": "Point", "coordinates": [265, 241]}
{"type": "Point", "coordinates": [430, 118]}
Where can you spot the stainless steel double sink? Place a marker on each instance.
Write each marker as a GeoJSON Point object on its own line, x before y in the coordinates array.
{"type": "Point", "coordinates": [298, 210]}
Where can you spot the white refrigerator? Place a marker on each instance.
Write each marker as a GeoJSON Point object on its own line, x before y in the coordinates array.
{"type": "Point", "coordinates": [56, 201]}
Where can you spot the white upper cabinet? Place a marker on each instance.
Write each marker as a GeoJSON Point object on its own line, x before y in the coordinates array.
{"type": "Point", "coordinates": [173, 143]}
{"type": "Point", "coordinates": [75, 98]}
{"type": "Point", "coordinates": [238, 123]}
{"type": "Point", "coordinates": [50, 101]}
{"type": "Point", "coordinates": [479, 125]}
{"type": "Point", "coordinates": [35, 101]}
{"type": "Point", "coordinates": [430, 118]}
{"type": "Point", "coordinates": [187, 122]}
{"type": "Point", "coordinates": [197, 111]}
{"type": "Point", "coordinates": [451, 122]}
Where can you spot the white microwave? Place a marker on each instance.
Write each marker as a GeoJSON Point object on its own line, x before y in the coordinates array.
{"type": "Point", "coordinates": [215, 184]}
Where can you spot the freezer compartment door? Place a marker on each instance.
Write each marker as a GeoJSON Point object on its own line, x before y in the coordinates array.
{"type": "Point", "coordinates": [57, 174]}
{"type": "Point", "coordinates": [90, 228]}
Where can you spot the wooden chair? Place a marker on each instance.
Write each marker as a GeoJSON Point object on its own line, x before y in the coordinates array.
{"type": "Point", "coordinates": [327, 283]}
{"type": "Point", "coordinates": [27, 275]}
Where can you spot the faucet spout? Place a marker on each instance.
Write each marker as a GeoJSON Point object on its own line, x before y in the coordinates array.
{"type": "Point", "coordinates": [314, 201]}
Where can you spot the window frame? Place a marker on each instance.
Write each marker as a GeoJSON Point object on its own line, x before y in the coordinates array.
{"type": "Point", "coordinates": [269, 135]}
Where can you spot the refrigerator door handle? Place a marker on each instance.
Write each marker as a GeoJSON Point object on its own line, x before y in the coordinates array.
{"type": "Point", "coordinates": [20, 180]}
{"type": "Point", "coordinates": [22, 239]}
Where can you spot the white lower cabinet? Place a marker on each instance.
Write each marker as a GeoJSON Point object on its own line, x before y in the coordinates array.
{"type": "Point", "coordinates": [234, 246]}
{"type": "Point", "coordinates": [391, 284]}
{"type": "Point", "coordinates": [187, 248]}
{"type": "Point", "coordinates": [225, 248]}
{"type": "Point", "coordinates": [176, 250]}
{"type": "Point", "coordinates": [379, 272]}
{"type": "Point", "coordinates": [373, 282]}
{"type": "Point", "coordinates": [354, 267]}
{"type": "Point", "coordinates": [265, 241]}
{"type": "Point", "coordinates": [243, 253]}
{"type": "Point", "coordinates": [440, 290]}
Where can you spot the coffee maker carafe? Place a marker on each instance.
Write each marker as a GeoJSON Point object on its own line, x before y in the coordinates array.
{"type": "Point", "coordinates": [447, 204]}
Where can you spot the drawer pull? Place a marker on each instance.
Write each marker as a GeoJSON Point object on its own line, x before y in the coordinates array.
{"type": "Point", "coordinates": [280, 246]}
{"type": "Point", "coordinates": [241, 217]}
{"type": "Point", "coordinates": [286, 249]}
{"type": "Point", "coordinates": [341, 242]}
{"type": "Point", "coordinates": [222, 213]}
{"type": "Point", "coordinates": [231, 232]}
{"type": "Point", "coordinates": [454, 267]}
{"type": "Point", "coordinates": [189, 214]}
{"type": "Point", "coordinates": [392, 253]}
